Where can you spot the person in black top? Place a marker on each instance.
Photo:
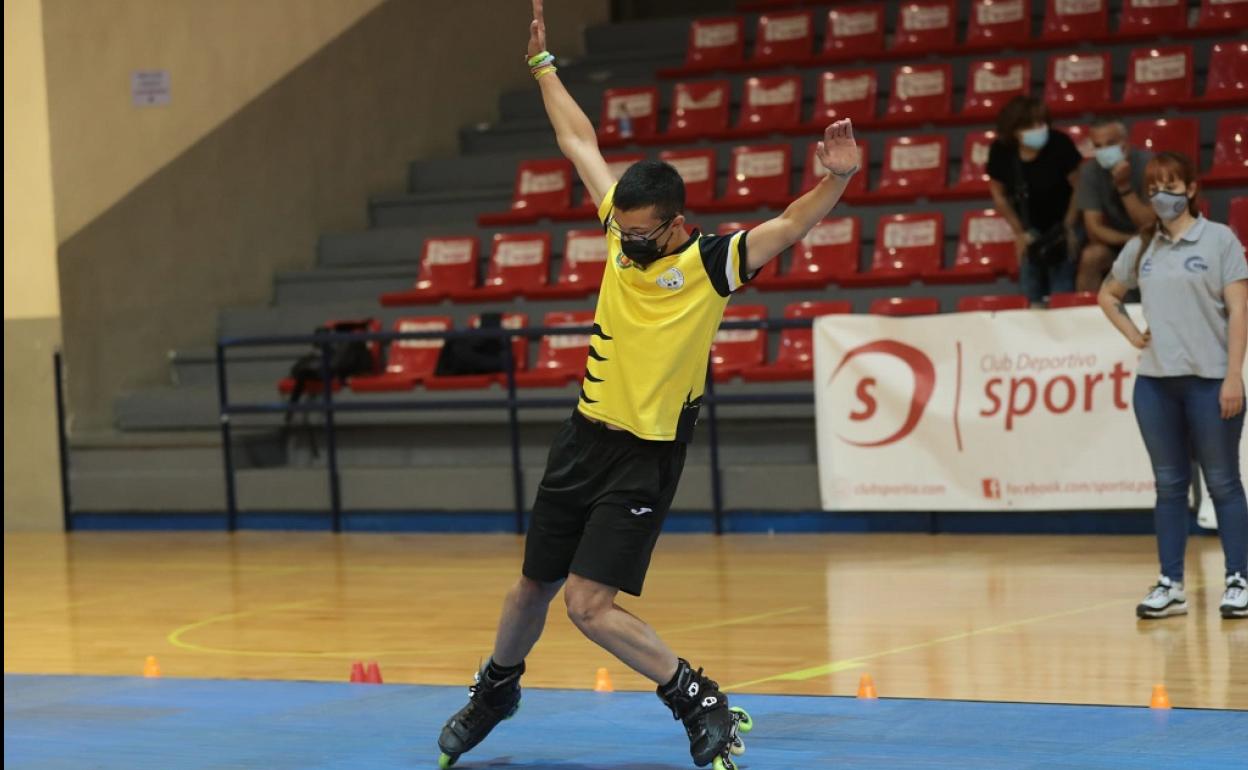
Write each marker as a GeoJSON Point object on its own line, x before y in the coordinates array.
{"type": "Point", "coordinates": [1033, 170]}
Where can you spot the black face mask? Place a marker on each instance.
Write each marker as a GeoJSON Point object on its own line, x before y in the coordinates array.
{"type": "Point", "coordinates": [643, 251]}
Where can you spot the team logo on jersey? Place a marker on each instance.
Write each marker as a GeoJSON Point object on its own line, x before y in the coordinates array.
{"type": "Point", "coordinates": [672, 279]}
{"type": "Point", "coordinates": [1195, 265]}
{"type": "Point", "coordinates": [1147, 266]}
{"type": "Point", "coordinates": [624, 262]}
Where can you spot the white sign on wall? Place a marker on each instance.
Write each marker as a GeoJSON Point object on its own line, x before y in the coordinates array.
{"type": "Point", "coordinates": [149, 88]}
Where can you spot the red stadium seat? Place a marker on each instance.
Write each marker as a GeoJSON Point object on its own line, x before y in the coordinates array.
{"type": "Point", "coordinates": [770, 104]}
{"type": "Point", "coordinates": [985, 250]}
{"type": "Point", "coordinates": [1078, 82]}
{"type": "Point", "coordinates": [905, 306]}
{"type": "Point", "coordinates": [920, 92]}
{"type": "Point", "coordinates": [1158, 76]}
{"type": "Point", "coordinates": [844, 94]}
{"type": "Point", "coordinates": [1151, 19]}
{"type": "Point", "coordinates": [519, 353]}
{"type": "Point", "coordinates": [768, 271]}
{"type": "Point", "coordinates": [1071, 20]}
{"type": "Point", "coordinates": [1230, 152]}
{"type": "Point", "coordinates": [584, 258]}
{"type": "Point", "coordinates": [408, 361]}
{"type": "Point", "coordinates": [699, 110]}
{"type": "Point", "coordinates": [906, 246]}
{"type": "Point", "coordinates": [993, 303]}
{"type": "Point", "coordinates": [286, 385]}
{"type": "Point", "coordinates": [815, 172]}
{"type": "Point", "coordinates": [737, 349]}
{"type": "Point", "coordinates": [628, 114]}
{"type": "Point", "coordinates": [560, 357]}
{"type": "Point", "coordinates": [1168, 134]}
{"type": "Point", "coordinates": [1222, 14]}
{"type": "Point", "coordinates": [998, 24]}
{"type": "Point", "coordinates": [973, 174]}
{"type": "Point", "coordinates": [1237, 218]}
{"type": "Point", "coordinates": [854, 31]}
{"type": "Point", "coordinates": [519, 262]}
{"type": "Point", "coordinates": [758, 176]}
{"type": "Point", "coordinates": [447, 265]}
{"type": "Point", "coordinates": [1072, 299]}
{"type": "Point", "coordinates": [828, 253]}
{"type": "Point", "coordinates": [783, 38]}
{"type": "Point", "coordinates": [992, 83]}
{"type": "Point", "coordinates": [913, 166]}
{"type": "Point", "coordinates": [925, 25]}
{"type": "Point", "coordinates": [1227, 81]}
{"type": "Point", "coordinates": [715, 43]}
{"type": "Point", "coordinates": [1078, 134]}
{"type": "Point", "coordinates": [543, 187]}
{"type": "Point", "coordinates": [697, 168]}
{"type": "Point", "coordinates": [795, 359]}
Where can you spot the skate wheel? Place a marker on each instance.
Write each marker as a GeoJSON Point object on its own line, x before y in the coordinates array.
{"type": "Point", "coordinates": [737, 747]}
{"type": "Point", "coordinates": [744, 722]}
{"type": "Point", "coordinates": [723, 763]}
{"type": "Point", "coordinates": [445, 761]}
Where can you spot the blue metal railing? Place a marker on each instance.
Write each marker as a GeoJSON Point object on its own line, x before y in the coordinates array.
{"type": "Point", "coordinates": [327, 406]}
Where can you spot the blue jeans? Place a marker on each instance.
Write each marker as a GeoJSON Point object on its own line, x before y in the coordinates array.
{"type": "Point", "coordinates": [1179, 415]}
{"type": "Point", "coordinates": [1040, 281]}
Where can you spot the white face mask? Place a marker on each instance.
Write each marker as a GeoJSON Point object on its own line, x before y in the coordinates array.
{"type": "Point", "coordinates": [1109, 156]}
{"type": "Point", "coordinates": [1034, 138]}
{"type": "Point", "coordinates": [1168, 205]}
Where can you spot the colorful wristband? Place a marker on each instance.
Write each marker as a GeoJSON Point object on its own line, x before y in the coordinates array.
{"type": "Point", "coordinates": [535, 59]}
{"type": "Point", "coordinates": [537, 74]}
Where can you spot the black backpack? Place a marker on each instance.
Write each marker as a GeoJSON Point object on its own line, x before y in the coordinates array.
{"type": "Point", "coordinates": [346, 359]}
{"type": "Point", "coordinates": [474, 355]}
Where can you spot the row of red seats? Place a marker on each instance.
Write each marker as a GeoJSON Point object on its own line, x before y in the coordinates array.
{"type": "Point", "coordinates": [914, 166]}
{"type": "Point", "coordinates": [908, 247]}
{"type": "Point", "coordinates": [787, 38]}
{"type": "Point", "coordinates": [561, 357]}
{"type": "Point", "coordinates": [923, 93]}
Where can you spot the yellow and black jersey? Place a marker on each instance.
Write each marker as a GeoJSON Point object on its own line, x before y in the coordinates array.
{"type": "Point", "coordinates": [653, 330]}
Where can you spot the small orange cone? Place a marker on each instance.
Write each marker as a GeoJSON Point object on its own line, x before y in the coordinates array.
{"type": "Point", "coordinates": [1161, 698]}
{"type": "Point", "coordinates": [602, 682]}
{"type": "Point", "coordinates": [866, 688]}
{"type": "Point", "coordinates": [372, 675]}
{"type": "Point", "coordinates": [151, 669]}
{"type": "Point", "coordinates": [357, 673]}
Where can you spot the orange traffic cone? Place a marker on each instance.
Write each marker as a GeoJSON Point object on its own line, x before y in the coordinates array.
{"type": "Point", "coordinates": [357, 673]}
{"type": "Point", "coordinates": [373, 674]}
{"type": "Point", "coordinates": [866, 688]}
{"type": "Point", "coordinates": [1161, 698]}
{"type": "Point", "coordinates": [602, 682]}
{"type": "Point", "coordinates": [151, 669]}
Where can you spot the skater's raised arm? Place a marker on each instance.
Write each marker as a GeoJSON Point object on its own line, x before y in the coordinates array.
{"type": "Point", "coordinates": [578, 140]}
{"type": "Point", "coordinates": [839, 154]}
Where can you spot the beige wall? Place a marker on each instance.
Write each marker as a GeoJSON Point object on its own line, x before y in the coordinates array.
{"type": "Point", "coordinates": [209, 227]}
{"type": "Point", "coordinates": [32, 325]}
{"type": "Point", "coordinates": [220, 55]}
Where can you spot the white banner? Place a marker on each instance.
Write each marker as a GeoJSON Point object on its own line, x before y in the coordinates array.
{"type": "Point", "coordinates": [1020, 410]}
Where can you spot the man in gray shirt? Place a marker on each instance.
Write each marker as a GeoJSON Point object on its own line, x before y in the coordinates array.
{"type": "Point", "coordinates": [1111, 197]}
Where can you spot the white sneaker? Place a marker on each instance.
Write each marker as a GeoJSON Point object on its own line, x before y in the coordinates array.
{"type": "Point", "coordinates": [1166, 599]}
{"type": "Point", "coordinates": [1235, 600]}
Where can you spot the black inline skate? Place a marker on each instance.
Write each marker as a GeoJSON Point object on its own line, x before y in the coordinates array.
{"type": "Point", "coordinates": [713, 728]}
{"type": "Point", "coordinates": [490, 700]}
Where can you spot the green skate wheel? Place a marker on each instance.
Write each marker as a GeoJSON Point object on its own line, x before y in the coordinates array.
{"type": "Point", "coordinates": [445, 761]}
{"type": "Point", "coordinates": [744, 723]}
{"type": "Point", "coordinates": [723, 763]}
{"type": "Point", "coordinates": [737, 747]}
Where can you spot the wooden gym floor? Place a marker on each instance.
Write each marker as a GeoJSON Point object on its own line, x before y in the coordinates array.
{"type": "Point", "coordinates": [992, 618]}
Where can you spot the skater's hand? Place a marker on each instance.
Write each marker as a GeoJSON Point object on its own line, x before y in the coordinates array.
{"type": "Point", "coordinates": [1141, 340]}
{"type": "Point", "coordinates": [1231, 397]}
{"type": "Point", "coordinates": [537, 31]}
{"type": "Point", "coordinates": [838, 152]}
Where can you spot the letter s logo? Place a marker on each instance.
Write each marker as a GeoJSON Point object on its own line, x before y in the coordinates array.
{"type": "Point", "coordinates": [924, 384]}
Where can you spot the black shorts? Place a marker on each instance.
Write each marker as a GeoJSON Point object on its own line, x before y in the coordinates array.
{"type": "Point", "coordinates": [601, 505]}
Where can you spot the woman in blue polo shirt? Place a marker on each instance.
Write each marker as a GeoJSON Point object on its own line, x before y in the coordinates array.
{"type": "Point", "coordinates": [1189, 393]}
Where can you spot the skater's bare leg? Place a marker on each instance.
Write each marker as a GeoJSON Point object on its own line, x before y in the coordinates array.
{"type": "Point", "coordinates": [592, 607]}
{"type": "Point", "coordinates": [524, 616]}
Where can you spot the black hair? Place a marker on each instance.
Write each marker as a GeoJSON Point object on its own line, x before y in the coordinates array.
{"type": "Point", "coordinates": [651, 183]}
{"type": "Point", "coordinates": [1019, 113]}
{"type": "Point", "coordinates": [1100, 121]}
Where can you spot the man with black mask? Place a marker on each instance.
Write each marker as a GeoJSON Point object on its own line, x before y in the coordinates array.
{"type": "Point", "coordinates": [615, 464]}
